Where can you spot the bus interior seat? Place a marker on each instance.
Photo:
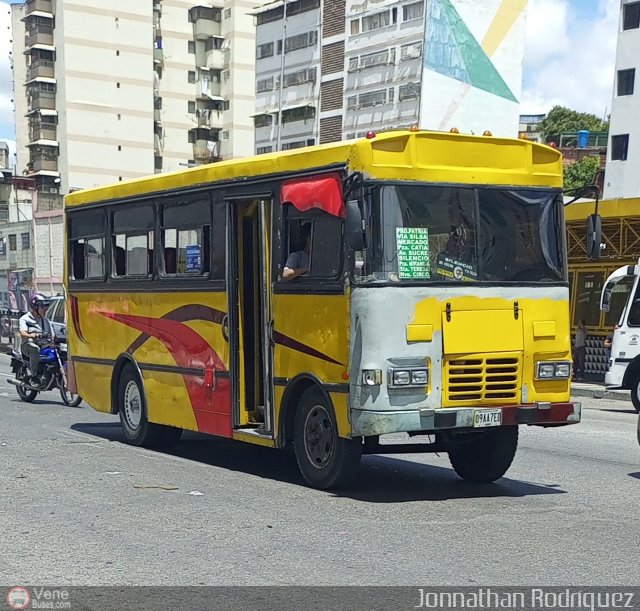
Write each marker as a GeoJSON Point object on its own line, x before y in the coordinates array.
{"type": "Point", "coordinates": [170, 261]}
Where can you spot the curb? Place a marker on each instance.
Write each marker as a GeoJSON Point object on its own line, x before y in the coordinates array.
{"type": "Point", "coordinates": [602, 393]}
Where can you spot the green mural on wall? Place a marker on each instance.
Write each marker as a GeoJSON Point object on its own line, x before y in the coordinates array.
{"type": "Point", "coordinates": [452, 50]}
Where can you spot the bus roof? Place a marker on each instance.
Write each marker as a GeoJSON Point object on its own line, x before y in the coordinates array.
{"type": "Point", "coordinates": [435, 157]}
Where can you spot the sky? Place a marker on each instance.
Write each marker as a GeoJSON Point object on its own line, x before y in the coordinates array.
{"type": "Point", "coordinates": [569, 58]}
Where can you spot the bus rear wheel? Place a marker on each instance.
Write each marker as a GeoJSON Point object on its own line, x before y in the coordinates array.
{"type": "Point", "coordinates": [132, 409]}
{"type": "Point", "coordinates": [484, 457]}
{"type": "Point", "coordinates": [325, 460]}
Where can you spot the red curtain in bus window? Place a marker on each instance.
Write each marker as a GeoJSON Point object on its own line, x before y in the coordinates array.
{"type": "Point", "coordinates": [323, 192]}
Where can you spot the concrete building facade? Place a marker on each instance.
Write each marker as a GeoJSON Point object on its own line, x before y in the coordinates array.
{"type": "Point", "coordinates": [390, 64]}
{"type": "Point", "coordinates": [623, 157]}
{"type": "Point", "coordinates": [118, 91]}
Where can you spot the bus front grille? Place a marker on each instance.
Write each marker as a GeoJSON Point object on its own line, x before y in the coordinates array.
{"type": "Point", "coordinates": [482, 379]}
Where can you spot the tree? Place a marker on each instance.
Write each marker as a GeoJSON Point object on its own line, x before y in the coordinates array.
{"type": "Point", "coordinates": [581, 173]}
{"type": "Point", "coordinates": [561, 119]}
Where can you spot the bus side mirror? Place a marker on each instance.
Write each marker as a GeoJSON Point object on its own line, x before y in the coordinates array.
{"type": "Point", "coordinates": [355, 226]}
{"type": "Point", "coordinates": [594, 236]}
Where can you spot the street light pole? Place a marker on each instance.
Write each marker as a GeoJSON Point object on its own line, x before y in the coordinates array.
{"type": "Point", "coordinates": [281, 83]}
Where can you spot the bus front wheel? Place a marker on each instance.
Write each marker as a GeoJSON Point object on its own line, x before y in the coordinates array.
{"type": "Point", "coordinates": [484, 457]}
{"type": "Point", "coordinates": [326, 460]}
{"type": "Point", "coordinates": [132, 409]}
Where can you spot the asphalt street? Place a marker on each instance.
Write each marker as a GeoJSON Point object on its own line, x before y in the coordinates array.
{"type": "Point", "coordinates": [79, 507]}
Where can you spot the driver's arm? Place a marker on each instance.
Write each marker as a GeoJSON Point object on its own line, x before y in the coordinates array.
{"type": "Point", "coordinates": [24, 331]}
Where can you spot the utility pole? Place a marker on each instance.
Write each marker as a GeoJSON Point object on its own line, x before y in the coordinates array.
{"type": "Point", "coordinates": [281, 83]}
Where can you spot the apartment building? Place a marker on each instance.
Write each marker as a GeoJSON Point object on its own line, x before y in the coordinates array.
{"type": "Point", "coordinates": [16, 243]}
{"type": "Point", "coordinates": [395, 63]}
{"type": "Point", "coordinates": [109, 92]}
{"type": "Point", "coordinates": [622, 179]}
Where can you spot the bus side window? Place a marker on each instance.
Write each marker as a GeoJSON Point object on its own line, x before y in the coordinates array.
{"type": "Point", "coordinates": [325, 254]}
{"type": "Point", "coordinates": [326, 247]}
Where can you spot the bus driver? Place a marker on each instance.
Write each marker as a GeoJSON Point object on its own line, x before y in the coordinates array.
{"type": "Point", "coordinates": [298, 262]}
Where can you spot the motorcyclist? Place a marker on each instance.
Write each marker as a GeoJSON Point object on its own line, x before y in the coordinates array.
{"type": "Point", "coordinates": [34, 325]}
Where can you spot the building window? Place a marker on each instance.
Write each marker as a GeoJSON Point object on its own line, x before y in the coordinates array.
{"type": "Point", "coordinates": [264, 149]}
{"type": "Point", "coordinates": [379, 20]}
{"type": "Point", "coordinates": [225, 134]}
{"type": "Point", "coordinates": [4, 213]}
{"type": "Point", "coordinates": [268, 16]}
{"type": "Point", "coordinates": [263, 120]}
{"type": "Point", "coordinates": [355, 26]}
{"type": "Point", "coordinates": [204, 12]}
{"type": "Point", "coordinates": [191, 46]}
{"type": "Point", "coordinates": [265, 84]}
{"type": "Point", "coordinates": [300, 41]}
{"type": "Point", "coordinates": [626, 81]}
{"type": "Point", "coordinates": [408, 92]}
{"type": "Point", "coordinates": [299, 78]}
{"type": "Point", "coordinates": [157, 162]}
{"type": "Point", "coordinates": [631, 16]}
{"type": "Point", "coordinates": [227, 13]}
{"type": "Point", "coordinates": [191, 76]}
{"type": "Point", "coordinates": [3, 248]}
{"type": "Point", "coordinates": [412, 11]}
{"type": "Point", "coordinates": [25, 238]}
{"type": "Point", "coordinates": [352, 102]}
{"type": "Point", "coordinates": [298, 114]}
{"type": "Point", "coordinates": [264, 50]}
{"type": "Point", "coordinates": [373, 98]}
{"type": "Point", "coordinates": [12, 242]}
{"type": "Point", "coordinates": [289, 146]}
{"type": "Point", "coordinates": [191, 107]}
{"type": "Point", "coordinates": [619, 148]}
{"type": "Point", "coordinates": [411, 51]}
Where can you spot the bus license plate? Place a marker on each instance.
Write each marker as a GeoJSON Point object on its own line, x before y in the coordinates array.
{"type": "Point", "coordinates": [487, 417]}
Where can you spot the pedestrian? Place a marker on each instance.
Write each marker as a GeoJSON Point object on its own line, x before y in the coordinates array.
{"type": "Point", "coordinates": [608, 342]}
{"type": "Point", "coordinates": [579, 351]}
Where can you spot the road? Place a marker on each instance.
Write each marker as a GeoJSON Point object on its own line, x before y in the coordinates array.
{"type": "Point", "coordinates": [78, 507]}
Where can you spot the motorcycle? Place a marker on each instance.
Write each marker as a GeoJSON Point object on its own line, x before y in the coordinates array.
{"type": "Point", "coordinates": [53, 359]}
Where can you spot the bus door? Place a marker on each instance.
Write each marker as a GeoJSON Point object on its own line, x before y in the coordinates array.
{"type": "Point", "coordinates": [249, 291]}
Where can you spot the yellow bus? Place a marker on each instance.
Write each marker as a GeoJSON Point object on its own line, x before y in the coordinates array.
{"type": "Point", "coordinates": [409, 282]}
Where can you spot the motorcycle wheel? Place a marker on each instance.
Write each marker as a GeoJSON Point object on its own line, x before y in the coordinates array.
{"type": "Point", "coordinates": [69, 398]}
{"type": "Point", "coordinates": [26, 394]}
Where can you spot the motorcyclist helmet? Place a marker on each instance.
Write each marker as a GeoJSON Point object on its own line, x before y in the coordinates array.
{"type": "Point", "coordinates": [38, 300]}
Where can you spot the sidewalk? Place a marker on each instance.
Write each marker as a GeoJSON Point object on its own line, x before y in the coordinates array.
{"type": "Point", "coordinates": [597, 390]}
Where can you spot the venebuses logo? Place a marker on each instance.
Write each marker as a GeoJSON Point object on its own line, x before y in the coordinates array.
{"type": "Point", "coordinates": [18, 598]}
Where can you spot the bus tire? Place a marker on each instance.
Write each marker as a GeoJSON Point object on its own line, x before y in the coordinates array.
{"type": "Point", "coordinates": [325, 460]}
{"type": "Point", "coordinates": [484, 457]}
{"type": "Point", "coordinates": [132, 409]}
{"type": "Point", "coordinates": [635, 393]}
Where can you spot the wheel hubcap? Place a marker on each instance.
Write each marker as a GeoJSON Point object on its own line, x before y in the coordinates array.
{"type": "Point", "coordinates": [319, 436]}
{"type": "Point", "coordinates": [132, 405]}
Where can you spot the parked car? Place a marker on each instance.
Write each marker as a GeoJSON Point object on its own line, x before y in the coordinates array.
{"type": "Point", "coordinates": [57, 314]}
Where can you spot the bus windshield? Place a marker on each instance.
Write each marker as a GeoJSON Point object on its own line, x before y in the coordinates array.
{"type": "Point", "coordinates": [423, 233]}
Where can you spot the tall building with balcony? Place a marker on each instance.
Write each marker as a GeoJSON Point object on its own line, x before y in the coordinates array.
{"type": "Point", "coordinates": [622, 179]}
{"type": "Point", "coordinates": [110, 92]}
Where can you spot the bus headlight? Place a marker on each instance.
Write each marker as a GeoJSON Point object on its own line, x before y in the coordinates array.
{"type": "Point", "coordinates": [553, 370]}
{"type": "Point", "coordinates": [415, 376]}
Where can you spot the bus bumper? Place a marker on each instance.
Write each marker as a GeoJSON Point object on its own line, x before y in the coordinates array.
{"type": "Point", "coordinates": [368, 422]}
